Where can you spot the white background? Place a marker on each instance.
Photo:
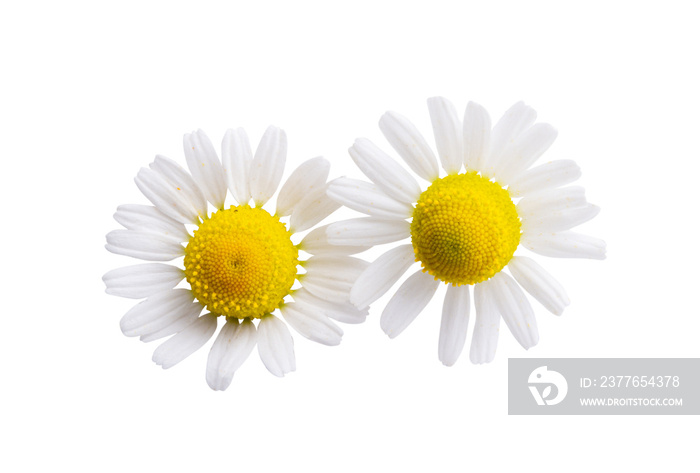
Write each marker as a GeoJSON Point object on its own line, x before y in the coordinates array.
{"type": "Point", "coordinates": [92, 91]}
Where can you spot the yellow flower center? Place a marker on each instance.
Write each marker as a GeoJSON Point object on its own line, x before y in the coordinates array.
{"type": "Point", "coordinates": [241, 262]}
{"type": "Point", "coordinates": [465, 229]}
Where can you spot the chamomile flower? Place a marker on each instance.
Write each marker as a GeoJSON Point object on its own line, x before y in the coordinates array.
{"type": "Point", "coordinates": [466, 226]}
{"type": "Point", "coordinates": [240, 262]}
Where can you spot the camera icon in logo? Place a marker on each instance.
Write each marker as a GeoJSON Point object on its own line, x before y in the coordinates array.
{"type": "Point", "coordinates": [541, 381]}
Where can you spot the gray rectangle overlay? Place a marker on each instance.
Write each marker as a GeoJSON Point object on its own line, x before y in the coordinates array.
{"type": "Point", "coordinates": [589, 386]}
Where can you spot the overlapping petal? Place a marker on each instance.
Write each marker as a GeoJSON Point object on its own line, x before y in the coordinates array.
{"type": "Point", "coordinates": [447, 128]}
{"type": "Point", "coordinates": [368, 199]}
{"type": "Point", "coordinates": [267, 166]}
{"type": "Point", "coordinates": [186, 342]}
{"type": "Point", "coordinates": [308, 178]}
{"type": "Point", "coordinates": [143, 245]}
{"type": "Point", "coordinates": [386, 173]}
{"type": "Point", "coordinates": [236, 156]}
{"type": "Point", "coordinates": [476, 131]}
{"type": "Point", "coordinates": [380, 275]}
{"type": "Point", "coordinates": [230, 349]}
{"type": "Point", "coordinates": [311, 323]}
{"type": "Point", "coordinates": [539, 284]}
{"type": "Point", "coordinates": [408, 301]}
{"type": "Point", "coordinates": [206, 169]}
{"type": "Point", "coordinates": [146, 218]}
{"type": "Point", "coordinates": [367, 231]}
{"type": "Point", "coordinates": [159, 311]}
{"type": "Point", "coordinates": [142, 280]}
{"type": "Point", "coordinates": [405, 138]}
{"type": "Point", "coordinates": [512, 304]}
{"type": "Point", "coordinates": [454, 324]}
{"type": "Point", "coordinates": [486, 325]}
{"type": "Point", "coordinates": [545, 176]}
{"type": "Point", "coordinates": [276, 346]}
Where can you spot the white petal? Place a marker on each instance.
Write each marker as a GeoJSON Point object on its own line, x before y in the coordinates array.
{"type": "Point", "coordinates": [176, 326]}
{"type": "Point", "coordinates": [168, 198]}
{"type": "Point", "coordinates": [345, 313]}
{"type": "Point", "coordinates": [380, 275]}
{"type": "Point", "coordinates": [267, 166]}
{"type": "Point", "coordinates": [453, 327]}
{"type": "Point", "coordinates": [204, 164]}
{"type": "Point", "coordinates": [342, 268]}
{"type": "Point", "coordinates": [527, 149]}
{"type": "Point", "coordinates": [143, 245]}
{"type": "Point", "coordinates": [539, 283]}
{"type": "Point", "coordinates": [334, 291]}
{"type": "Point", "coordinates": [331, 278]}
{"type": "Point", "coordinates": [447, 129]}
{"type": "Point", "coordinates": [316, 243]}
{"type": "Point", "coordinates": [367, 231]}
{"type": "Point", "coordinates": [486, 325]}
{"type": "Point", "coordinates": [515, 309]}
{"type": "Point", "coordinates": [276, 346]}
{"type": "Point", "coordinates": [517, 119]}
{"type": "Point", "coordinates": [342, 312]}
{"type": "Point", "coordinates": [186, 342]}
{"type": "Point", "coordinates": [551, 200]}
{"type": "Point", "coordinates": [236, 157]}
{"type": "Point", "coordinates": [313, 208]}
{"type": "Point", "coordinates": [142, 280]}
{"type": "Point", "coordinates": [159, 311]}
{"type": "Point", "coordinates": [149, 219]}
{"type": "Point", "coordinates": [311, 323]}
{"type": "Point", "coordinates": [564, 245]}
{"type": "Point", "coordinates": [476, 132]}
{"type": "Point", "coordinates": [180, 180]}
{"type": "Point", "coordinates": [367, 198]}
{"type": "Point", "coordinates": [408, 301]}
{"type": "Point", "coordinates": [386, 173]}
{"type": "Point", "coordinates": [310, 176]}
{"type": "Point", "coordinates": [545, 176]}
{"type": "Point", "coordinates": [405, 138]}
{"type": "Point", "coordinates": [559, 220]}
{"type": "Point", "coordinates": [230, 349]}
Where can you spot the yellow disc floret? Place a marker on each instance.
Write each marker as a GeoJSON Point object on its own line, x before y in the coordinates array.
{"type": "Point", "coordinates": [465, 229]}
{"type": "Point", "coordinates": [241, 262]}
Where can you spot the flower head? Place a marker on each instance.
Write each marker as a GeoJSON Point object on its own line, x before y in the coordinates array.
{"type": "Point", "coordinates": [240, 262]}
{"type": "Point", "coordinates": [466, 226]}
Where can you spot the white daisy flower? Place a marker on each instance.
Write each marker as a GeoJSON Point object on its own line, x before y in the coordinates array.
{"type": "Point", "coordinates": [465, 226]}
{"type": "Point", "coordinates": [240, 262]}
